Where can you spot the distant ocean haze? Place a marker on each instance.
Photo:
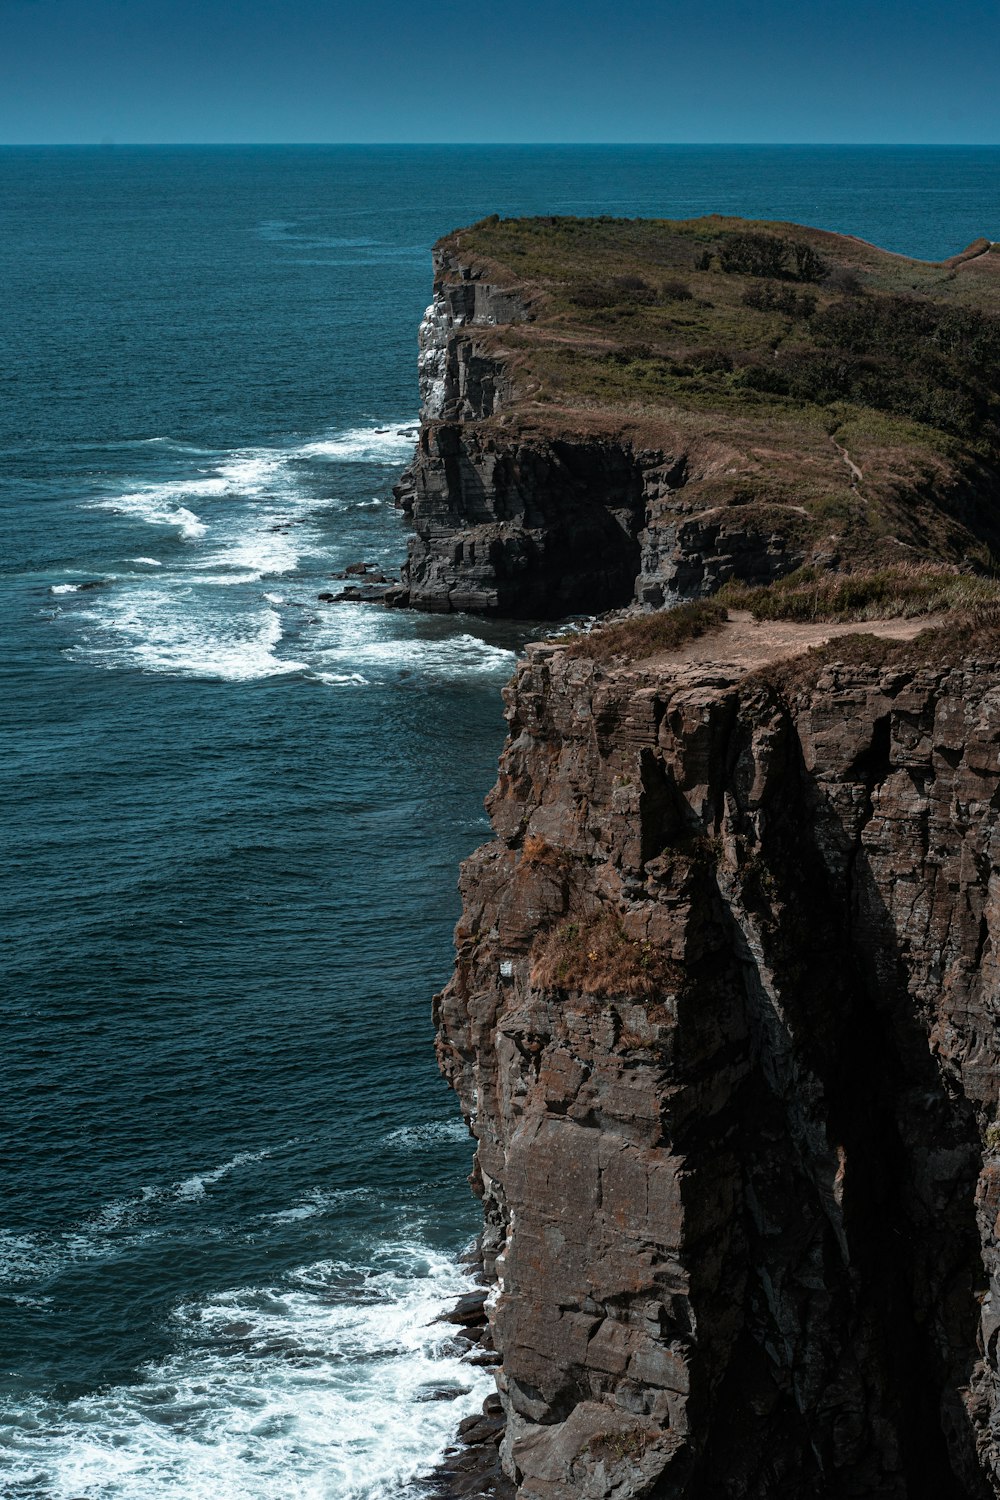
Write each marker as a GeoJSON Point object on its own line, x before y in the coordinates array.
{"type": "Point", "coordinates": [235, 1184]}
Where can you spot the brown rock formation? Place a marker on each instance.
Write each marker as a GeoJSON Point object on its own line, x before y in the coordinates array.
{"type": "Point", "coordinates": [724, 1025]}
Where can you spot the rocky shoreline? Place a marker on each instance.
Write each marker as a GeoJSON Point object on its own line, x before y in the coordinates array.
{"type": "Point", "coordinates": [470, 1468]}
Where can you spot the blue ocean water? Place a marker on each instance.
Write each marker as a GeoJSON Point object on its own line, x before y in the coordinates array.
{"type": "Point", "coordinates": [233, 1183]}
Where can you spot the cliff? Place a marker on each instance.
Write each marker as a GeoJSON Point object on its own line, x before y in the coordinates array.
{"type": "Point", "coordinates": [625, 410]}
{"type": "Point", "coordinates": [723, 1019]}
{"type": "Point", "coordinates": [723, 1024]}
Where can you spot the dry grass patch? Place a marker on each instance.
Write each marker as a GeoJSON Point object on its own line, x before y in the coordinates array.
{"type": "Point", "coordinates": [645, 635]}
{"type": "Point", "coordinates": [902, 590]}
{"type": "Point", "coordinates": [963, 634]}
{"type": "Point", "coordinates": [596, 956]}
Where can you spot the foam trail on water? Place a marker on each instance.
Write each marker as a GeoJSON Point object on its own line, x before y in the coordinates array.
{"type": "Point", "coordinates": [337, 1384]}
{"type": "Point", "coordinates": [195, 1185]}
{"type": "Point", "coordinates": [430, 1133]}
{"type": "Point", "coordinates": [390, 445]}
{"type": "Point", "coordinates": [151, 629]}
{"type": "Point", "coordinates": [26, 1259]}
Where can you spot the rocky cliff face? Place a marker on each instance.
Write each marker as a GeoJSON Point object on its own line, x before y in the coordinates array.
{"type": "Point", "coordinates": [514, 521]}
{"type": "Point", "coordinates": [724, 1025]}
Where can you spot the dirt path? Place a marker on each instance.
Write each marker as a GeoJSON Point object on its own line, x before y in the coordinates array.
{"type": "Point", "coordinates": [854, 471]}
{"type": "Point", "coordinates": [744, 644]}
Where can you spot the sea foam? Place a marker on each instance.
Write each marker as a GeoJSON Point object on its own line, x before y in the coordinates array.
{"type": "Point", "coordinates": [388, 445]}
{"type": "Point", "coordinates": [336, 1381]}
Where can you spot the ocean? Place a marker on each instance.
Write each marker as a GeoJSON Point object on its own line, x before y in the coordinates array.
{"type": "Point", "coordinates": [233, 1184]}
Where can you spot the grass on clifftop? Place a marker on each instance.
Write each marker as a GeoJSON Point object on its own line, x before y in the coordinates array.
{"type": "Point", "coordinates": [809, 595]}
{"type": "Point", "coordinates": [645, 635]}
{"type": "Point", "coordinates": [725, 313]}
{"type": "Point", "coordinates": [852, 393]}
{"type": "Point", "coordinates": [869, 594]}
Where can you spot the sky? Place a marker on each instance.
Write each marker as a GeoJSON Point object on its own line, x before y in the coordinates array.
{"type": "Point", "coordinates": [296, 71]}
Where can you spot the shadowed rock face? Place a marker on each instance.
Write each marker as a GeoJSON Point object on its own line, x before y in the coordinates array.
{"type": "Point", "coordinates": [528, 530]}
{"type": "Point", "coordinates": [740, 1209]}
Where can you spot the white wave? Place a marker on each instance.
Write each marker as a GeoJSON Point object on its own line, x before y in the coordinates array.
{"type": "Point", "coordinates": [247, 473]}
{"type": "Point", "coordinates": [431, 1133]}
{"type": "Point", "coordinates": [226, 580]}
{"type": "Point", "coordinates": [377, 445]}
{"type": "Point", "coordinates": [195, 1185]}
{"type": "Point", "coordinates": [153, 508]}
{"type": "Point", "coordinates": [253, 470]}
{"type": "Point", "coordinates": [258, 552]}
{"type": "Point", "coordinates": [150, 562]}
{"type": "Point", "coordinates": [342, 679]}
{"type": "Point", "coordinates": [446, 657]}
{"type": "Point", "coordinates": [65, 588]}
{"type": "Point", "coordinates": [321, 1388]}
{"type": "Point", "coordinates": [158, 630]}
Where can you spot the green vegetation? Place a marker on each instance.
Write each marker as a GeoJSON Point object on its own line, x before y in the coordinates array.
{"type": "Point", "coordinates": [644, 635]}
{"type": "Point", "coordinates": [868, 594]}
{"type": "Point", "coordinates": [845, 398]}
{"type": "Point", "coordinates": [752, 253]}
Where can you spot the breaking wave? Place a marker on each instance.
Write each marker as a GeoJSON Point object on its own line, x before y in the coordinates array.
{"type": "Point", "coordinates": [247, 518]}
{"type": "Point", "coordinates": [335, 1380]}
{"type": "Point", "coordinates": [387, 445]}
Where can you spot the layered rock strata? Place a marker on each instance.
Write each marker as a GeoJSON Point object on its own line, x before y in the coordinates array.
{"type": "Point", "coordinates": [509, 520]}
{"type": "Point", "coordinates": [724, 1026]}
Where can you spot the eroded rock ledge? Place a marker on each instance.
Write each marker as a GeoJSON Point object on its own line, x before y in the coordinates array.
{"type": "Point", "coordinates": [724, 1026]}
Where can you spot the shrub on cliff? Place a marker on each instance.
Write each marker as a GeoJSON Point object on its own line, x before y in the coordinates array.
{"type": "Point", "coordinates": [595, 956]}
{"type": "Point", "coordinates": [755, 254]}
{"type": "Point", "coordinates": [769, 296]}
{"type": "Point", "coordinates": [905, 589]}
{"type": "Point", "coordinates": [644, 635]}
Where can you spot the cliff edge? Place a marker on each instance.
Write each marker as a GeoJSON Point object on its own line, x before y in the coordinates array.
{"type": "Point", "coordinates": [619, 411]}
{"type": "Point", "coordinates": [724, 1016]}
{"type": "Point", "coordinates": [724, 1026]}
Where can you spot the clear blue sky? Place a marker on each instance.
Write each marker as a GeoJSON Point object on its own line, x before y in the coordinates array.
{"type": "Point", "coordinates": [85, 71]}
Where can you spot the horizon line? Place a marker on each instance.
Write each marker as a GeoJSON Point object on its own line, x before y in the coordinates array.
{"type": "Point", "coordinates": [110, 144]}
